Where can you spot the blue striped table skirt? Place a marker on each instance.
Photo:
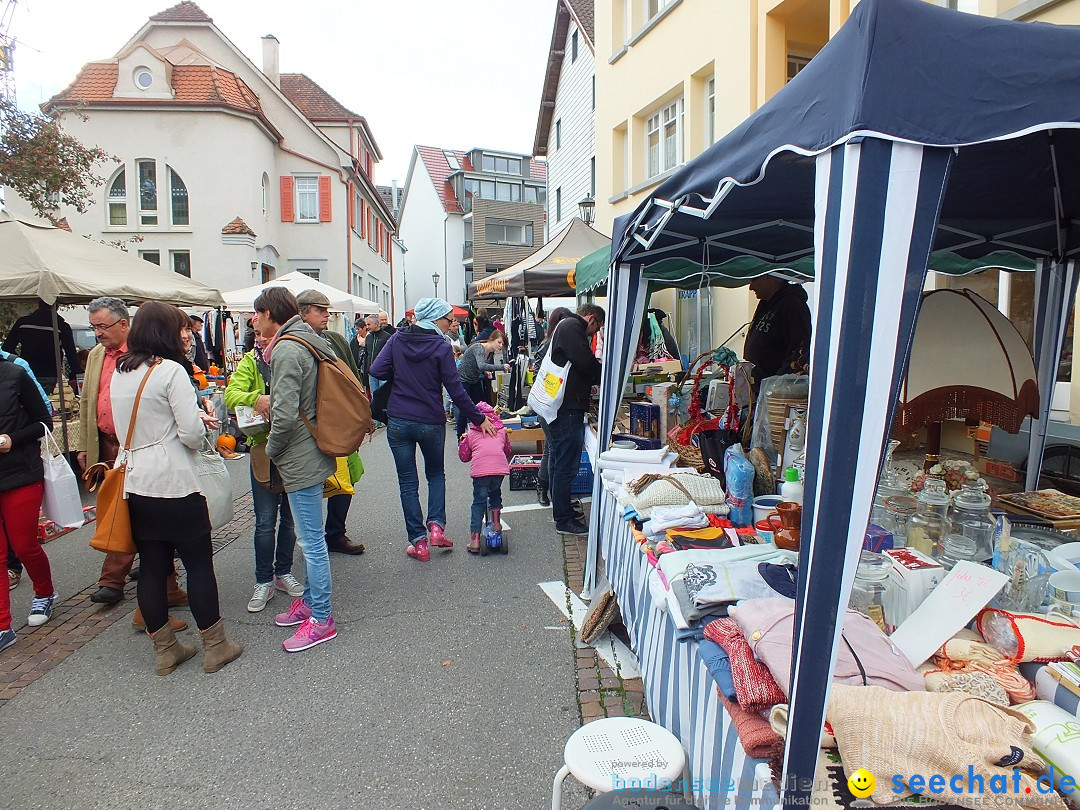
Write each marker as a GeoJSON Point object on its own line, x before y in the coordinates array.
{"type": "Point", "coordinates": [679, 691]}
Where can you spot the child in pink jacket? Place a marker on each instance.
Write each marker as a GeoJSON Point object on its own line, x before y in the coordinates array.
{"type": "Point", "coordinates": [490, 457]}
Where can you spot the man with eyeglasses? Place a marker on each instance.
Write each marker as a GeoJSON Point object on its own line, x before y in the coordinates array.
{"type": "Point", "coordinates": [32, 338]}
{"type": "Point", "coordinates": [110, 321]}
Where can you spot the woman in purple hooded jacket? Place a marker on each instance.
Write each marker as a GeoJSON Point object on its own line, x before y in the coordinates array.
{"type": "Point", "coordinates": [419, 361]}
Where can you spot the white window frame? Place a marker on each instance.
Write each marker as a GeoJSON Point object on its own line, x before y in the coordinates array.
{"type": "Point", "coordinates": [173, 254]}
{"type": "Point", "coordinates": [172, 173]}
{"type": "Point", "coordinates": [299, 194]}
{"type": "Point", "coordinates": [120, 200]}
{"type": "Point", "coordinates": [144, 254]}
{"type": "Point", "coordinates": [667, 119]}
{"type": "Point", "coordinates": [524, 228]}
{"type": "Point", "coordinates": [660, 5]}
{"type": "Point", "coordinates": [148, 217]}
{"type": "Point", "coordinates": [264, 182]}
{"type": "Point", "coordinates": [310, 272]}
{"type": "Point", "coordinates": [710, 111]}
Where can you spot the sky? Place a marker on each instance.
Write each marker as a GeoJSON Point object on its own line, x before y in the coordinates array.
{"type": "Point", "coordinates": [448, 73]}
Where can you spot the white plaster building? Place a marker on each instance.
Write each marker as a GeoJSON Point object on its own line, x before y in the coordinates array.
{"type": "Point", "coordinates": [464, 215]}
{"type": "Point", "coordinates": [565, 130]}
{"type": "Point", "coordinates": [228, 173]}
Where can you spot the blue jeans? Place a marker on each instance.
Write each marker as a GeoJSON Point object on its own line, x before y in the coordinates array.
{"type": "Point", "coordinates": [486, 491]}
{"type": "Point", "coordinates": [375, 385]}
{"type": "Point", "coordinates": [337, 509]}
{"type": "Point", "coordinates": [307, 510]}
{"type": "Point", "coordinates": [272, 511]}
{"type": "Point", "coordinates": [567, 439]}
{"type": "Point", "coordinates": [403, 436]}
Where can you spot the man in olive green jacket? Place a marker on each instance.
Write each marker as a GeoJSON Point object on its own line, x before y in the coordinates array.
{"type": "Point", "coordinates": [315, 312]}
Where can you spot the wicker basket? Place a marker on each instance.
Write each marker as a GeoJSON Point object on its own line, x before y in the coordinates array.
{"type": "Point", "coordinates": [777, 411]}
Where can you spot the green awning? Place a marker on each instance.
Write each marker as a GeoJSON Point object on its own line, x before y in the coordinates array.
{"type": "Point", "coordinates": [592, 271]}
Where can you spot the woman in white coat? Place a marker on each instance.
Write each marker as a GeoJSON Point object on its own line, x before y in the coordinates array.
{"type": "Point", "coordinates": [168, 511]}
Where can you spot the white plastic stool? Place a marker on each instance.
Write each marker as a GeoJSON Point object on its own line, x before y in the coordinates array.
{"type": "Point", "coordinates": [636, 751]}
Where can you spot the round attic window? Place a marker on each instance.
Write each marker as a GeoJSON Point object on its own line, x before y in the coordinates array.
{"type": "Point", "coordinates": [143, 78]}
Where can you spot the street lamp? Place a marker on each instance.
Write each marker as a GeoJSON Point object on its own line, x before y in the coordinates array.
{"type": "Point", "coordinates": [435, 280]}
{"type": "Point", "coordinates": [587, 208]}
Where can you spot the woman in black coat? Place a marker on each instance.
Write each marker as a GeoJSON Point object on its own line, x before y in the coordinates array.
{"type": "Point", "coordinates": [24, 418]}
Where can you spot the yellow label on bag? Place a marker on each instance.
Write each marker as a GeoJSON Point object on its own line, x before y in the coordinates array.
{"type": "Point", "coordinates": [552, 384]}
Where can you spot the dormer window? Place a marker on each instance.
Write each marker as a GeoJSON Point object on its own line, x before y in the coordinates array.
{"type": "Point", "coordinates": [144, 79]}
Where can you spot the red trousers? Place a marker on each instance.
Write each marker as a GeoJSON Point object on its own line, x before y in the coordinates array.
{"type": "Point", "coordinates": [19, 510]}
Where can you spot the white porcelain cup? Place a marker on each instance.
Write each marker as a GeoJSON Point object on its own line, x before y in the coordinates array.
{"type": "Point", "coordinates": [1064, 586]}
{"type": "Point", "coordinates": [765, 505]}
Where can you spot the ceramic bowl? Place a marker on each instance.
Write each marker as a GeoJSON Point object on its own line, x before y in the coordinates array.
{"type": "Point", "coordinates": [1064, 586]}
{"type": "Point", "coordinates": [1069, 551]}
{"type": "Point", "coordinates": [1064, 608]}
{"type": "Point", "coordinates": [765, 505]}
{"type": "Point", "coordinates": [624, 444]}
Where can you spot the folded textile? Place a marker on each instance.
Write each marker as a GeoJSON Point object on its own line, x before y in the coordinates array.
{"type": "Point", "coordinates": [967, 652]}
{"type": "Point", "coordinates": [676, 489]}
{"type": "Point", "coordinates": [778, 719]}
{"type": "Point", "coordinates": [978, 684]}
{"type": "Point", "coordinates": [728, 583]}
{"type": "Point", "coordinates": [712, 537]}
{"type": "Point", "coordinates": [634, 456]}
{"type": "Point", "coordinates": [756, 735]}
{"type": "Point", "coordinates": [865, 656]}
{"type": "Point", "coordinates": [676, 562]}
{"type": "Point", "coordinates": [658, 589]}
{"type": "Point", "coordinates": [658, 524]}
{"type": "Point", "coordinates": [695, 633]}
{"type": "Point", "coordinates": [937, 733]}
{"type": "Point", "coordinates": [690, 611]}
{"type": "Point", "coordinates": [716, 661]}
{"type": "Point", "coordinates": [755, 687]}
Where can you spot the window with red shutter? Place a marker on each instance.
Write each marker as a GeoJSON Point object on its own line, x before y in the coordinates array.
{"type": "Point", "coordinates": [350, 202]}
{"type": "Point", "coordinates": [324, 198]}
{"type": "Point", "coordinates": [363, 218]}
{"type": "Point", "coordinates": [287, 214]}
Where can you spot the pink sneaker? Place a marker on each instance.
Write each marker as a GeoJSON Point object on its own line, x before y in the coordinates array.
{"type": "Point", "coordinates": [298, 613]}
{"type": "Point", "coordinates": [309, 634]}
{"type": "Point", "coordinates": [419, 551]}
{"type": "Point", "coordinates": [438, 539]}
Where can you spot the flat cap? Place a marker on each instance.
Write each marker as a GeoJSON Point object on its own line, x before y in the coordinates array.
{"type": "Point", "coordinates": [312, 298]}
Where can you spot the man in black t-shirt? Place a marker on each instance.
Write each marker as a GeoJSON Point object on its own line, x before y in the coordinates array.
{"type": "Point", "coordinates": [33, 339]}
{"type": "Point", "coordinates": [778, 341]}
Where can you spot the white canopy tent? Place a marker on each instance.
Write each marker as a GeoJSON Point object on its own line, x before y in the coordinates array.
{"type": "Point", "coordinates": [242, 299]}
{"type": "Point", "coordinates": [39, 260]}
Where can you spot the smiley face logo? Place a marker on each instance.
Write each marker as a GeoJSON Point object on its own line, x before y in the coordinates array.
{"type": "Point", "coordinates": [861, 783]}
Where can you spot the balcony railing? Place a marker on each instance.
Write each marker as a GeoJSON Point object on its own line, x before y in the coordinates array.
{"type": "Point", "coordinates": [466, 250]}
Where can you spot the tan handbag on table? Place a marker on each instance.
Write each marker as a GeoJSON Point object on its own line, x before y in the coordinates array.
{"type": "Point", "coordinates": [112, 527]}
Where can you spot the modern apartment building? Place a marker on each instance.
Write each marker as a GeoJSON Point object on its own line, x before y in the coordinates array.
{"type": "Point", "coordinates": [565, 129]}
{"type": "Point", "coordinates": [226, 172]}
{"type": "Point", "coordinates": [467, 214]}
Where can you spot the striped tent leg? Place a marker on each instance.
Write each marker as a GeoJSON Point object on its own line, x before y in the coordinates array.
{"type": "Point", "coordinates": [1055, 292]}
{"type": "Point", "coordinates": [877, 207]}
{"type": "Point", "coordinates": [626, 302]}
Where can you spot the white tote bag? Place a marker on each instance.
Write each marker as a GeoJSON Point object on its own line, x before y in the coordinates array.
{"type": "Point", "coordinates": [216, 485]}
{"type": "Point", "coordinates": [61, 503]}
{"type": "Point", "coordinates": [549, 387]}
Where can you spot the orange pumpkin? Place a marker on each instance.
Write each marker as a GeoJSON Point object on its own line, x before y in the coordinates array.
{"type": "Point", "coordinates": [226, 442]}
{"type": "Point", "coordinates": [214, 370]}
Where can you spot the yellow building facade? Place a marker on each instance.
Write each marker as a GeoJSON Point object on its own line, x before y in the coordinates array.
{"type": "Point", "coordinates": [674, 76]}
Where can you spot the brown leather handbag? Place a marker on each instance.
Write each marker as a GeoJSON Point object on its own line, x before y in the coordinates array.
{"type": "Point", "coordinates": [112, 526]}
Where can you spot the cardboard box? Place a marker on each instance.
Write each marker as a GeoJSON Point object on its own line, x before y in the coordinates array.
{"type": "Point", "coordinates": [659, 394]}
{"type": "Point", "coordinates": [998, 469]}
{"type": "Point", "coordinates": [250, 421]}
{"type": "Point", "coordinates": [658, 367]}
{"type": "Point", "coordinates": [914, 576]}
{"type": "Point", "coordinates": [645, 420]}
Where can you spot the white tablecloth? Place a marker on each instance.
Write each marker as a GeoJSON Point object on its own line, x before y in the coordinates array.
{"type": "Point", "coordinates": [680, 693]}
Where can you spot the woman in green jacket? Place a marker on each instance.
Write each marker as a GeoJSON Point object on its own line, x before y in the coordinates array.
{"type": "Point", "coordinates": [250, 385]}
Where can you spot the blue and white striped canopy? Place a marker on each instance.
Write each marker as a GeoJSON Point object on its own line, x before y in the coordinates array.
{"type": "Point", "coordinates": [917, 131]}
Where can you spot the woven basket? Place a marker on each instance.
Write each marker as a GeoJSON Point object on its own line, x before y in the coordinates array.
{"type": "Point", "coordinates": [777, 411]}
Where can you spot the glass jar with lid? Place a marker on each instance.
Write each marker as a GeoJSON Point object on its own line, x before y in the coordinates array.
{"type": "Point", "coordinates": [927, 525]}
{"type": "Point", "coordinates": [969, 515]}
{"type": "Point", "coordinates": [872, 588]}
{"type": "Point", "coordinates": [899, 509]}
{"type": "Point", "coordinates": [957, 547]}
{"type": "Point", "coordinates": [889, 484]}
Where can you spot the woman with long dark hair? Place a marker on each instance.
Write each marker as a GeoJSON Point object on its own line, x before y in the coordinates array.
{"type": "Point", "coordinates": [168, 511]}
{"type": "Point", "coordinates": [23, 421]}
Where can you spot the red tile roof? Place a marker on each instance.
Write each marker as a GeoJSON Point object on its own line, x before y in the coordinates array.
{"type": "Point", "coordinates": [566, 12]}
{"type": "Point", "coordinates": [583, 10]}
{"type": "Point", "coordinates": [440, 170]}
{"type": "Point", "coordinates": [437, 166]}
{"type": "Point", "coordinates": [238, 227]}
{"type": "Point", "coordinates": [182, 12]}
{"type": "Point", "coordinates": [196, 85]}
{"type": "Point", "coordinates": [314, 102]}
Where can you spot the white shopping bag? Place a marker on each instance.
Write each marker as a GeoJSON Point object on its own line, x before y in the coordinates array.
{"type": "Point", "coordinates": [62, 503]}
{"type": "Point", "coordinates": [216, 485]}
{"type": "Point", "coordinates": [549, 387]}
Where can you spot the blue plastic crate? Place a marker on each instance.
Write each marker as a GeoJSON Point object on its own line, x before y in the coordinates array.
{"type": "Point", "coordinates": [583, 481]}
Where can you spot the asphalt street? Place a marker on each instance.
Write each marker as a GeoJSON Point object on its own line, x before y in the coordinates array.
{"type": "Point", "coordinates": [450, 685]}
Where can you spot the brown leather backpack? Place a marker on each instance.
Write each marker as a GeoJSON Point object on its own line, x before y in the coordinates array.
{"type": "Point", "coordinates": [342, 408]}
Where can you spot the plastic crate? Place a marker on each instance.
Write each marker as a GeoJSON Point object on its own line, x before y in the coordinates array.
{"type": "Point", "coordinates": [583, 481]}
{"type": "Point", "coordinates": [523, 472]}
